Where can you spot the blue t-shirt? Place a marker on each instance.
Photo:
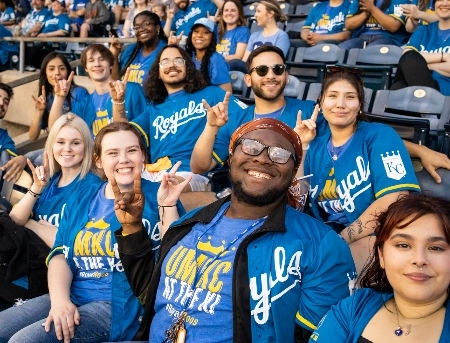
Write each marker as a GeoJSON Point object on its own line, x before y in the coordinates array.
{"type": "Point", "coordinates": [219, 70]}
{"type": "Point", "coordinates": [185, 19]}
{"type": "Point", "coordinates": [51, 204]}
{"type": "Point", "coordinates": [6, 143]}
{"type": "Point", "coordinates": [36, 17]}
{"type": "Point", "coordinates": [96, 109]}
{"type": "Point", "coordinates": [78, 5]}
{"type": "Point", "coordinates": [429, 38]}
{"type": "Point", "coordinates": [55, 23]}
{"type": "Point", "coordinates": [201, 262]}
{"type": "Point", "coordinates": [7, 15]}
{"type": "Point", "coordinates": [327, 19]}
{"type": "Point", "coordinates": [228, 44]}
{"type": "Point", "coordinates": [173, 127]}
{"type": "Point", "coordinates": [140, 66]}
{"type": "Point", "coordinates": [287, 116]}
{"type": "Point", "coordinates": [371, 26]}
{"type": "Point", "coordinates": [279, 39]}
{"type": "Point", "coordinates": [6, 47]}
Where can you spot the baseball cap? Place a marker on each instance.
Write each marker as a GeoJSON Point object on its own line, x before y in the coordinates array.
{"type": "Point", "coordinates": [208, 23]}
{"type": "Point", "coordinates": [62, 2]}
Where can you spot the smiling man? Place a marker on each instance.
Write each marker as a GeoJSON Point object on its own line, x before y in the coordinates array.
{"type": "Point", "coordinates": [174, 120]}
{"type": "Point", "coordinates": [96, 109]}
{"type": "Point", "coordinates": [248, 268]}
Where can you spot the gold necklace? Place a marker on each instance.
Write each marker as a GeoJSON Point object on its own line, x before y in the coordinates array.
{"type": "Point", "coordinates": [399, 330]}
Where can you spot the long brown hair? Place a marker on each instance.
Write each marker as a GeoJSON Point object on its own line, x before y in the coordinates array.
{"type": "Point", "coordinates": [241, 20]}
{"type": "Point", "coordinates": [400, 214]}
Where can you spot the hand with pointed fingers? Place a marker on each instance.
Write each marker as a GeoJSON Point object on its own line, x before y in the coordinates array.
{"type": "Point", "coordinates": [129, 206]}
{"type": "Point", "coordinates": [14, 168]}
{"type": "Point", "coordinates": [306, 129]}
{"type": "Point", "coordinates": [174, 39]}
{"type": "Point", "coordinates": [170, 189]}
{"type": "Point", "coordinates": [64, 317]}
{"type": "Point", "coordinates": [41, 174]}
{"type": "Point", "coordinates": [170, 12]}
{"type": "Point", "coordinates": [118, 88]}
{"type": "Point", "coordinates": [115, 47]}
{"type": "Point", "coordinates": [215, 18]}
{"type": "Point", "coordinates": [217, 116]}
{"type": "Point", "coordinates": [62, 87]}
{"type": "Point", "coordinates": [41, 100]}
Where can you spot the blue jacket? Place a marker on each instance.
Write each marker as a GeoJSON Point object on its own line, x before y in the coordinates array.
{"type": "Point", "coordinates": [346, 321]}
{"type": "Point", "coordinates": [125, 307]}
{"type": "Point", "coordinates": [291, 270]}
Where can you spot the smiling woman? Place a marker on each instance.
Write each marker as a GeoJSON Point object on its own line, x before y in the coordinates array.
{"type": "Point", "coordinates": [406, 284]}
{"type": "Point", "coordinates": [139, 56]}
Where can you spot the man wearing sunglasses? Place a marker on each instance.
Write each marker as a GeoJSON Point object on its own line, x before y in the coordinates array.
{"type": "Point", "coordinates": [247, 268]}
{"type": "Point", "coordinates": [267, 76]}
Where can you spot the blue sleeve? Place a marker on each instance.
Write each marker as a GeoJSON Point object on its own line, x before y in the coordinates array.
{"type": "Point", "coordinates": [64, 23]}
{"type": "Point", "coordinates": [390, 164]}
{"type": "Point", "coordinates": [330, 278]}
{"type": "Point", "coordinates": [353, 8]}
{"type": "Point", "coordinates": [417, 38]}
{"type": "Point", "coordinates": [7, 143]}
{"type": "Point", "coordinates": [142, 123]}
{"type": "Point", "coordinates": [126, 54]}
{"type": "Point", "coordinates": [219, 70]}
{"type": "Point", "coordinates": [135, 100]}
{"type": "Point", "coordinates": [334, 326]}
{"type": "Point", "coordinates": [310, 18]}
{"type": "Point", "coordinates": [8, 14]}
{"type": "Point", "coordinates": [283, 42]}
{"type": "Point", "coordinates": [242, 35]}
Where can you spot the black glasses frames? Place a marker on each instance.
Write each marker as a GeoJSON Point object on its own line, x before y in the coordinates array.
{"type": "Point", "coordinates": [262, 70]}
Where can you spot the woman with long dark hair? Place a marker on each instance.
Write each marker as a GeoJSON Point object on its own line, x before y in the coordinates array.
{"type": "Point", "coordinates": [406, 284]}
{"type": "Point", "coordinates": [139, 56]}
{"type": "Point", "coordinates": [201, 45]}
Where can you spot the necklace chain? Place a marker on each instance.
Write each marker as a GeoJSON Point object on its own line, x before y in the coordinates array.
{"type": "Point", "coordinates": [399, 330]}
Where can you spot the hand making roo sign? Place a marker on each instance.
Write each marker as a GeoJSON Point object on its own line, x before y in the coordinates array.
{"type": "Point", "coordinates": [62, 87]}
{"type": "Point", "coordinates": [41, 174]}
{"type": "Point", "coordinates": [41, 101]}
{"type": "Point", "coordinates": [117, 88]}
{"type": "Point", "coordinates": [306, 129]}
{"type": "Point", "coordinates": [217, 116]}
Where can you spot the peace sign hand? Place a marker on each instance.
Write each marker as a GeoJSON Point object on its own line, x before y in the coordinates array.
{"type": "Point", "coordinates": [41, 101]}
{"type": "Point", "coordinates": [306, 129]}
{"type": "Point", "coordinates": [217, 116]}
{"type": "Point", "coordinates": [173, 39]}
{"type": "Point", "coordinates": [115, 46]}
{"type": "Point", "coordinates": [62, 87]}
{"type": "Point", "coordinates": [129, 206]}
{"type": "Point", "coordinates": [117, 88]}
{"type": "Point", "coordinates": [170, 189]}
{"type": "Point", "coordinates": [41, 174]}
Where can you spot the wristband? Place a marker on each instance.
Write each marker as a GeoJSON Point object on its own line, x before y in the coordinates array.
{"type": "Point", "coordinates": [36, 195]}
{"type": "Point", "coordinates": [118, 103]}
{"type": "Point", "coordinates": [163, 207]}
{"type": "Point", "coordinates": [304, 148]}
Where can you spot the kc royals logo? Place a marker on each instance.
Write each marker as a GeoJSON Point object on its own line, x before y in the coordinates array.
{"type": "Point", "coordinates": [393, 164]}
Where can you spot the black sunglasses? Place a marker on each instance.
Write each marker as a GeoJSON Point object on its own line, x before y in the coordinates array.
{"type": "Point", "coordinates": [262, 70]}
{"type": "Point", "coordinates": [344, 70]}
{"type": "Point", "coordinates": [255, 148]}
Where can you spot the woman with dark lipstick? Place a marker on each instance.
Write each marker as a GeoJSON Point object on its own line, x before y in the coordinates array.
{"type": "Point", "coordinates": [406, 283]}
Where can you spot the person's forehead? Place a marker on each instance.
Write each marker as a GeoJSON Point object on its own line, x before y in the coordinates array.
{"type": "Point", "coordinates": [94, 54]}
{"type": "Point", "coordinates": [267, 58]}
{"type": "Point", "coordinates": [170, 53]}
{"type": "Point", "coordinates": [142, 19]}
{"type": "Point", "coordinates": [270, 138]}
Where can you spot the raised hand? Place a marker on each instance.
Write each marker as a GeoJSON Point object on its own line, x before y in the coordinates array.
{"type": "Point", "coordinates": [217, 115]}
{"type": "Point", "coordinates": [115, 46]}
{"type": "Point", "coordinates": [171, 188]}
{"type": "Point", "coordinates": [62, 87]}
{"type": "Point", "coordinates": [306, 129]}
{"type": "Point", "coordinates": [41, 101]}
{"type": "Point", "coordinates": [170, 12]}
{"type": "Point", "coordinates": [118, 88]}
{"type": "Point", "coordinates": [215, 18]}
{"type": "Point", "coordinates": [64, 317]}
{"type": "Point", "coordinates": [129, 206]}
{"type": "Point", "coordinates": [41, 175]}
{"type": "Point", "coordinates": [174, 39]}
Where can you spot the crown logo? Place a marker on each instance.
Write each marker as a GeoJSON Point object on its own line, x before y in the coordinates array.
{"type": "Point", "coordinates": [135, 66]}
{"type": "Point", "coordinates": [102, 113]}
{"type": "Point", "coordinates": [390, 157]}
{"type": "Point", "coordinates": [208, 247]}
{"type": "Point", "coordinates": [99, 224]}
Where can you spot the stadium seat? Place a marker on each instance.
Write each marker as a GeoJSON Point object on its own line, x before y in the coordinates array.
{"type": "Point", "coordinates": [301, 11]}
{"type": "Point", "coordinates": [428, 185]}
{"type": "Point", "coordinates": [249, 10]}
{"type": "Point", "coordinates": [446, 147]}
{"type": "Point", "coordinates": [315, 88]}
{"type": "Point", "coordinates": [378, 62]}
{"type": "Point", "coordinates": [238, 85]}
{"type": "Point", "coordinates": [286, 8]}
{"type": "Point", "coordinates": [416, 103]}
{"type": "Point", "coordinates": [293, 30]}
{"type": "Point", "coordinates": [295, 88]}
{"type": "Point", "coordinates": [310, 63]}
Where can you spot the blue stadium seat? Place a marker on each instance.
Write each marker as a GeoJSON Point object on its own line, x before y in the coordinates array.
{"type": "Point", "coordinates": [295, 88]}
{"type": "Point", "coordinates": [249, 10]}
{"type": "Point", "coordinates": [302, 11]}
{"type": "Point", "coordinates": [427, 184]}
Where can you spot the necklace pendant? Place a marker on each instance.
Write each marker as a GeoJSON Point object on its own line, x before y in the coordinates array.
{"type": "Point", "coordinates": [334, 157]}
{"type": "Point", "coordinates": [399, 331]}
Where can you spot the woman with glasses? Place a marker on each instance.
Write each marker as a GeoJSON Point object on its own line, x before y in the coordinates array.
{"type": "Point", "coordinates": [426, 57]}
{"type": "Point", "coordinates": [139, 56]}
{"type": "Point", "coordinates": [139, 6]}
{"type": "Point", "coordinates": [405, 285]}
{"type": "Point", "coordinates": [201, 45]}
{"type": "Point", "coordinates": [358, 169]}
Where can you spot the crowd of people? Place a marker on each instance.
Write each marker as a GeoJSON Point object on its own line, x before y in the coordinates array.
{"type": "Point", "coordinates": [118, 237]}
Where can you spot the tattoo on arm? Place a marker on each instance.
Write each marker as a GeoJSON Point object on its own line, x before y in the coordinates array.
{"type": "Point", "coordinates": [350, 232]}
{"type": "Point", "coordinates": [359, 223]}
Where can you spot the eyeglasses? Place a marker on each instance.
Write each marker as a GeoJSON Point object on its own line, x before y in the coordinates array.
{"type": "Point", "coordinates": [145, 25]}
{"type": "Point", "coordinates": [344, 70]}
{"type": "Point", "coordinates": [178, 61]}
{"type": "Point", "coordinates": [262, 70]}
{"type": "Point", "coordinates": [255, 148]}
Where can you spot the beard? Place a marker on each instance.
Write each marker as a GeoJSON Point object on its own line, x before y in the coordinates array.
{"type": "Point", "coordinates": [261, 94]}
{"type": "Point", "coordinates": [271, 195]}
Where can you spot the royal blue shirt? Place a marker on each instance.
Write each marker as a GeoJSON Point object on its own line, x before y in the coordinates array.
{"type": "Point", "coordinates": [36, 17]}
{"type": "Point", "coordinates": [219, 70]}
{"type": "Point", "coordinates": [326, 19]}
{"type": "Point", "coordinates": [7, 15]}
{"type": "Point", "coordinates": [429, 38]}
{"type": "Point", "coordinates": [231, 38]}
{"type": "Point", "coordinates": [55, 23]}
{"type": "Point", "coordinates": [185, 19]}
